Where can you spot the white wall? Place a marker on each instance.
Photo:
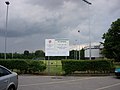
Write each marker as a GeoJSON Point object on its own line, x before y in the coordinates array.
{"type": "Point", "coordinates": [94, 52]}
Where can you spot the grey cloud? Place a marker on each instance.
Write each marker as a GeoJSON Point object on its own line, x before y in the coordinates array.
{"type": "Point", "coordinates": [35, 20]}
{"type": "Point", "coordinates": [51, 4]}
{"type": "Point", "coordinates": [20, 28]}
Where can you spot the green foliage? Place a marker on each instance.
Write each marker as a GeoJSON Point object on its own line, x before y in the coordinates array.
{"type": "Point", "coordinates": [36, 66]}
{"type": "Point", "coordinates": [39, 53]}
{"type": "Point", "coordinates": [70, 66]}
{"type": "Point", "coordinates": [24, 66]}
{"type": "Point", "coordinates": [112, 41]}
{"type": "Point", "coordinates": [25, 55]}
{"type": "Point", "coordinates": [117, 64]}
{"type": "Point", "coordinates": [82, 54]}
{"type": "Point", "coordinates": [26, 52]}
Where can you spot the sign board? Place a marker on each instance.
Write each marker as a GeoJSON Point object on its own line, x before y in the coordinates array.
{"type": "Point", "coordinates": [56, 47]}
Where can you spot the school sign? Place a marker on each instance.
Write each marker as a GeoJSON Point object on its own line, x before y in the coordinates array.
{"type": "Point", "coordinates": [56, 47]}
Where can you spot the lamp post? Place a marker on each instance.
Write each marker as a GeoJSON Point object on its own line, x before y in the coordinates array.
{"type": "Point", "coordinates": [75, 49]}
{"type": "Point", "coordinates": [7, 3]}
{"type": "Point", "coordinates": [89, 3]}
{"type": "Point", "coordinates": [79, 45]}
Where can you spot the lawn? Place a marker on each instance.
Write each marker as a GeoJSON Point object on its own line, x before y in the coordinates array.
{"type": "Point", "coordinates": [54, 67]}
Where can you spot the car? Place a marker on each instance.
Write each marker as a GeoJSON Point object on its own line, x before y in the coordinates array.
{"type": "Point", "coordinates": [117, 72]}
{"type": "Point", "coordinates": [8, 79]}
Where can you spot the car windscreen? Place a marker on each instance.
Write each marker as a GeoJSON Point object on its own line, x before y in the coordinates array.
{"type": "Point", "coordinates": [4, 72]}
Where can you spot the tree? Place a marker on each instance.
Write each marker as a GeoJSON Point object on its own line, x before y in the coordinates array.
{"type": "Point", "coordinates": [26, 52]}
{"type": "Point", "coordinates": [39, 53]}
{"type": "Point", "coordinates": [71, 56]}
{"type": "Point", "coordinates": [82, 54]}
{"type": "Point", "coordinates": [112, 41]}
{"type": "Point", "coordinates": [1, 55]}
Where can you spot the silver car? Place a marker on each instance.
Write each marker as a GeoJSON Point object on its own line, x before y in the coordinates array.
{"type": "Point", "coordinates": [8, 79]}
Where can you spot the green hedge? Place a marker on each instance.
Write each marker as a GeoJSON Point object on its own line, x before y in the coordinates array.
{"type": "Point", "coordinates": [24, 66]}
{"type": "Point", "coordinates": [117, 64]}
{"type": "Point", "coordinates": [36, 66]}
{"type": "Point", "coordinates": [70, 66]}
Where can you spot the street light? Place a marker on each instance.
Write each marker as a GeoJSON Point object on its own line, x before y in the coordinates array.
{"type": "Point", "coordinates": [89, 3]}
{"type": "Point", "coordinates": [75, 49]}
{"type": "Point", "coordinates": [7, 3]}
{"type": "Point", "coordinates": [79, 45]}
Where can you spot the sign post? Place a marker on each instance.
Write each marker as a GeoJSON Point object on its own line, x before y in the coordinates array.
{"type": "Point", "coordinates": [56, 47]}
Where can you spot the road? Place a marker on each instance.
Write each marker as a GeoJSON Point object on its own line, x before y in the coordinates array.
{"type": "Point", "coordinates": [68, 83]}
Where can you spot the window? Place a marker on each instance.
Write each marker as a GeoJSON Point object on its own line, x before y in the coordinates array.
{"type": "Point", "coordinates": [4, 72]}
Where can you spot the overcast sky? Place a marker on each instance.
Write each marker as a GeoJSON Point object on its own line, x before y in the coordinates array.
{"type": "Point", "coordinates": [30, 22]}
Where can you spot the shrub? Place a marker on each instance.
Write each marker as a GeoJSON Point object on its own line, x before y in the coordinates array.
{"type": "Point", "coordinates": [24, 65]}
{"type": "Point", "coordinates": [36, 66]}
{"type": "Point", "coordinates": [70, 66]}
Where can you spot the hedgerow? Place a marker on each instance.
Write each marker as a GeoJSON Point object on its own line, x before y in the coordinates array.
{"type": "Point", "coordinates": [24, 66]}
{"type": "Point", "coordinates": [70, 66]}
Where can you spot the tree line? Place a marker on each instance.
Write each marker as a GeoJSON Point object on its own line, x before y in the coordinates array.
{"type": "Point", "coordinates": [40, 55]}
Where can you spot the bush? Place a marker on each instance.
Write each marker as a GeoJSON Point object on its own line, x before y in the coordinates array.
{"type": "Point", "coordinates": [36, 66]}
{"type": "Point", "coordinates": [24, 66]}
{"type": "Point", "coordinates": [70, 66]}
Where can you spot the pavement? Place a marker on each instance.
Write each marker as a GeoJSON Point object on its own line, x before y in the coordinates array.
{"type": "Point", "coordinates": [29, 82]}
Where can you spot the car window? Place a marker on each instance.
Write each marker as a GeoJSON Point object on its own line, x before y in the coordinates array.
{"type": "Point", "coordinates": [4, 72]}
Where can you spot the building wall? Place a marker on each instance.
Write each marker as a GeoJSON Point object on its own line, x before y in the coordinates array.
{"type": "Point", "coordinates": [95, 52]}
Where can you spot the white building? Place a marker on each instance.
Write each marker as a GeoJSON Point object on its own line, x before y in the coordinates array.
{"type": "Point", "coordinates": [95, 51]}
